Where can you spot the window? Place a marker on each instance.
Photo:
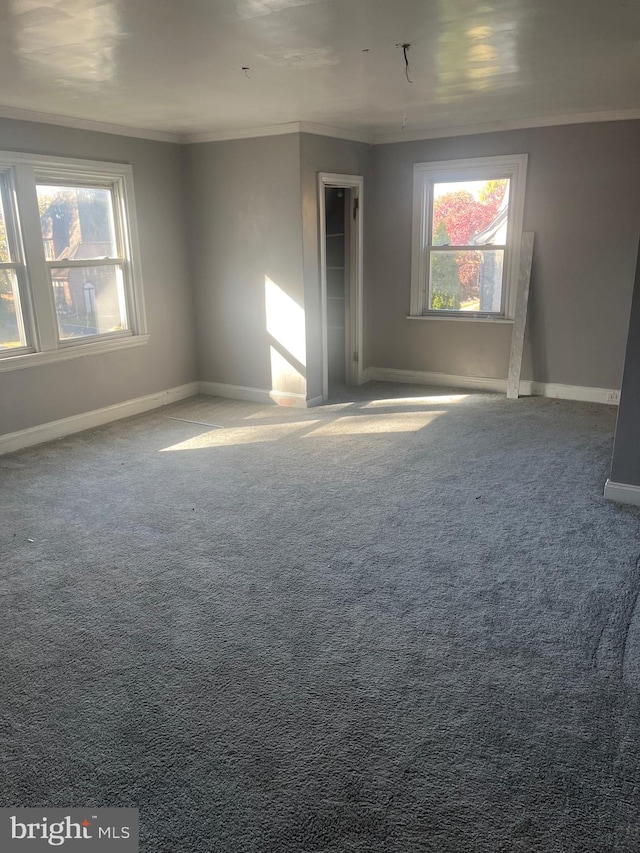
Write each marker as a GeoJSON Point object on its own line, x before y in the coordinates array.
{"type": "Point", "coordinates": [70, 279]}
{"type": "Point", "coordinates": [467, 221]}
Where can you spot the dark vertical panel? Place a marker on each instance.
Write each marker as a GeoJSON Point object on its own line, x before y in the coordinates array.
{"type": "Point", "coordinates": [626, 452]}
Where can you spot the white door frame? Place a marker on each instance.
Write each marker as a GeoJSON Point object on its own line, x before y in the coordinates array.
{"type": "Point", "coordinates": [356, 286]}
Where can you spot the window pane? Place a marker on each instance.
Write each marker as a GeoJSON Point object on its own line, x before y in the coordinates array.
{"type": "Point", "coordinates": [77, 222]}
{"type": "Point", "coordinates": [470, 213]}
{"type": "Point", "coordinates": [89, 301]}
{"type": "Point", "coordinates": [4, 245]}
{"type": "Point", "coordinates": [466, 281]}
{"type": "Point", "coordinates": [11, 327]}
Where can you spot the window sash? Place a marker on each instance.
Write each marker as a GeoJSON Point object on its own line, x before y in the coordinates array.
{"type": "Point", "coordinates": [117, 203]}
{"type": "Point", "coordinates": [462, 311]}
{"type": "Point", "coordinates": [122, 314]}
{"type": "Point", "coordinates": [426, 176]}
{"type": "Point", "coordinates": [20, 174]}
{"type": "Point", "coordinates": [449, 247]}
{"type": "Point", "coordinates": [482, 247]}
{"type": "Point", "coordinates": [21, 315]}
{"type": "Point", "coordinates": [79, 263]}
{"type": "Point", "coordinates": [16, 264]}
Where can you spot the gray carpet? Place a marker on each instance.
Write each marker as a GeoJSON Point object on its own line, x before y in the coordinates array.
{"type": "Point", "coordinates": [395, 626]}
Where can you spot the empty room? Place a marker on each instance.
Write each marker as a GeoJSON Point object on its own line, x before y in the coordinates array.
{"type": "Point", "coordinates": [319, 417]}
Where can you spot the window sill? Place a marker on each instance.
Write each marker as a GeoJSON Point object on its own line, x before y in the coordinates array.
{"type": "Point", "coordinates": [35, 359]}
{"type": "Point", "coordinates": [459, 319]}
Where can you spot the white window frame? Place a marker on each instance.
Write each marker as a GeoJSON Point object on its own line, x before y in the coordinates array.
{"type": "Point", "coordinates": [425, 175]}
{"type": "Point", "coordinates": [22, 173]}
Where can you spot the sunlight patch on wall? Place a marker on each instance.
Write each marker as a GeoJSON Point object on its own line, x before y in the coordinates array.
{"type": "Point", "coordinates": [286, 326]}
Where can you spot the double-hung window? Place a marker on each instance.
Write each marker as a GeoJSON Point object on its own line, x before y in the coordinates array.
{"type": "Point", "coordinates": [70, 281]}
{"type": "Point", "coordinates": [467, 230]}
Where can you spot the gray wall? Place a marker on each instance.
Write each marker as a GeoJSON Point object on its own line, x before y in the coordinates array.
{"type": "Point", "coordinates": [626, 452]}
{"type": "Point", "coordinates": [36, 395]}
{"type": "Point", "coordinates": [323, 154]}
{"type": "Point", "coordinates": [245, 224]}
{"type": "Point", "coordinates": [582, 202]}
{"type": "Point", "coordinates": [249, 209]}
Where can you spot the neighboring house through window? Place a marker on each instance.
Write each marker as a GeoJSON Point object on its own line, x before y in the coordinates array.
{"type": "Point", "coordinates": [70, 280]}
{"type": "Point", "coordinates": [467, 230]}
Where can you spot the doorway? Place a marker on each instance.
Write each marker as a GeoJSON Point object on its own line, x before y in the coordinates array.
{"type": "Point", "coordinates": [341, 281]}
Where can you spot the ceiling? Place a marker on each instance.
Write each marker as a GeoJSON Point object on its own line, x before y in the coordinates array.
{"type": "Point", "coordinates": [161, 66]}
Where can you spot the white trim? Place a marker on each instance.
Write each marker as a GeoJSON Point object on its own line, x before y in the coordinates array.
{"type": "Point", "coordinates": [60, 167]}
{"type": "Point", "coordinates": [254, 395]}
{"type": "Point", "coordinates": [78, 350]}
{"type": "Point", "coordinates": [460, 318]}
{"type": "Point", "coordinates": [425, 175]}
{"type": "Point", "coordinates": [579, 393]}
{"type": "Point", "coordinates": [520, 319]}
{"type": "Point", "coordinates": [352, 134]}
{"type": "Point", "coordinates": [497, 126]}
{"type": "Point", "coordinates": [235, 392]}
{"type": "Point", "coordinates": [247, 133]}
{"type": "Point", "coordinates": [425, 377]}
{"type": "Point", "coordinates": [336, 132]}
{"type": "Point", "coordinates": [623, 493]}
{"type": "Point", "coordinates": [287, 398]}
{"type": "Point", "coordinates": [26, 171]}
{"type": "Point", "coordinates": [277, 130]}
{"type": "Point", "coordinates": [355, 341]}
{"type": "Point", "coordinates": [88, 124]}
{"type": "Point", "coordinates": [97, 417]}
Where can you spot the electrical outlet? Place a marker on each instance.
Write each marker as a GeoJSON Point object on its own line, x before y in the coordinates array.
{"type": "Point", "coordinates": [613, 397]}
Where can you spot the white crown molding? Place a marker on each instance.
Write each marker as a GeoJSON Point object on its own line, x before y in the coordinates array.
{"type": "Point", "coordinates": [277, 130]}
{"type": "Point", "coordinates": [248, 133]}
{"type": "Point", "coordinates": [336, 132]}
{"type": "Point", "coordinates": [352, 135]}
{"type": "Point", "coordinates": [496, 126]}
{"type": "Point", "coordinates": [97, 417]}
{"type": "Point", "coordinates": [87, 124]}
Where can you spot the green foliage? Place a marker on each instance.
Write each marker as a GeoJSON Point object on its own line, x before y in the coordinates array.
{"type": "Point", "coordinates": [442, 300]}
{"type": "Point", "coordinates": [445, 281]}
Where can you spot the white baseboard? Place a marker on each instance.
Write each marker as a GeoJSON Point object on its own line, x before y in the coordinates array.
{"type": "Point", "coordinates": [97, 417]}
{"type": "Point", "coordinates": [425, 377]}
{"type": "Point", "coordinates": [234, 392]}
{"type": "Point", "coordinates": [87, 420]}
{"type": "Point", "coordinates": [286, 398]}
{"type": "Point", "coordinates": [622, 493]}
{"type": "Point", "coordinates": [254, 395]}
{"type": "Point", "coordinates": [580, 393]}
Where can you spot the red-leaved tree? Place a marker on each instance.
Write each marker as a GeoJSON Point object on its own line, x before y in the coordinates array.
{"type": "Point", "coordinates": [462, 216]}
